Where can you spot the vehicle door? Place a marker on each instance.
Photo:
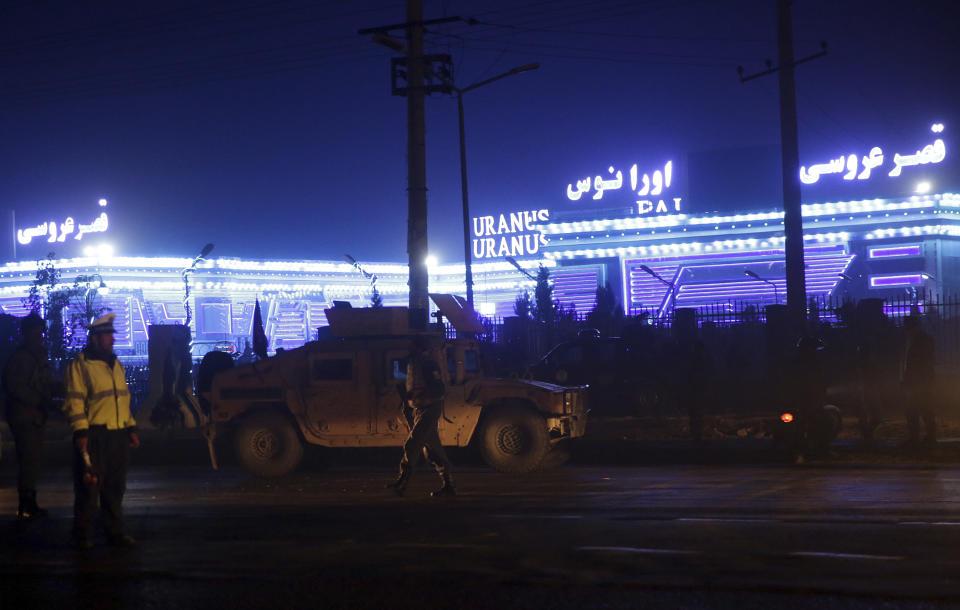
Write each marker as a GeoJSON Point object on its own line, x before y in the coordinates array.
{"type": "Point", "coordinates": [392, 373]}
{"type": "Point", "coordinates": [338, 394]}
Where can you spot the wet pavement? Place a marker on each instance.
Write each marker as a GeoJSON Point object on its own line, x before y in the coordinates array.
{"type": "Point", "coordinates": [627, 524]}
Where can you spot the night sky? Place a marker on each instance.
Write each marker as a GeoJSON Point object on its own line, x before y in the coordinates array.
{"type": "Point", "coordinates": [268, 128]}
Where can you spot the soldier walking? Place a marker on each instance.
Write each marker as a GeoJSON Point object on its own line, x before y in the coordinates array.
{"type": "Point", "coordinates": [29, 386]}
{"type": "Point", "coordinates": [97, 407]}
{"type": "Point", "coordinates": [424, 400]}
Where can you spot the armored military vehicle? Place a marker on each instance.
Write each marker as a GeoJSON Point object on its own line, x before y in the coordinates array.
{"type": "Point", "coordinates": [342, 391]}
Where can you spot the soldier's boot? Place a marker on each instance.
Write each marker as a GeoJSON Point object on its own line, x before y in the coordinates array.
{"type": "Point", "coordinates": [28, 508]}
{"type": "Point", "coordinates": [446, 488]}
{"type": "Point", "coordinates": [400, 485]}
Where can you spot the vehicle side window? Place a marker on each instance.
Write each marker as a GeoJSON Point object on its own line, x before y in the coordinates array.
{"type": "Point", "coordinates": [332, 369]}
{"type": "Point", "coordinates": [398, 368]}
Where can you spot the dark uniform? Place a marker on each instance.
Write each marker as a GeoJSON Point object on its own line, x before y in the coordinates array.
{"type": "Point", "coordinates": [423, 409]}
{"type": "Point", "coordinates": [29, 386]}
{"type": "Point", "coordinates": [918, 381]}
{"type": "Point", "coordinates": [97, 407]}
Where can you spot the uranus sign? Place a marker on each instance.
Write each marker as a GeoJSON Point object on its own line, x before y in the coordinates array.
{"type": "Point", "coordinates": [514, 234]}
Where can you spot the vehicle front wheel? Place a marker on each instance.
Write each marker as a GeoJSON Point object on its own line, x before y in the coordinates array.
{"type": "Point", "coordinates": [514, 439]}
{"type": "Point", "coordinates": [268, 445]}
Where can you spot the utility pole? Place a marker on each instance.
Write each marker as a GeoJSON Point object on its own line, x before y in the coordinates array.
{"type": "Point", "coordinates": [790, 159]}
{"type": "Point", "coordinates": [413, 68]}
{"type": "Point", "coordinates": [416, 169]}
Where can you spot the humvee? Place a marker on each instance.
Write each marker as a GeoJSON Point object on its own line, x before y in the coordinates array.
{"type": "Point", "coordinates": [342, 391]}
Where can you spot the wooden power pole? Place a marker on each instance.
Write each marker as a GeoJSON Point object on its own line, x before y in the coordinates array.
{"type": "Point", "coordinates": [790, 158]}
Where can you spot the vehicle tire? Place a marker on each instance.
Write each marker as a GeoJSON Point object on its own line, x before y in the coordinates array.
{"type": "Point", "coordinates": [268, 445]}
{"type": "Point", "coordinates": [514, 439]}
{"type": "Point", "coordinates": [558, 455]}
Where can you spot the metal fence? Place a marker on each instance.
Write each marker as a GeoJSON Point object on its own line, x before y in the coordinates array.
{"type": "Point", "coordinates": [527, 339]}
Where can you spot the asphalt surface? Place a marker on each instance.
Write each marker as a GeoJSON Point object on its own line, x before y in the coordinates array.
{"type": "Point", "coordinates": [626, 524]}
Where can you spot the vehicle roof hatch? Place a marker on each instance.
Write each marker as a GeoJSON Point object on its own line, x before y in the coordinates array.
{"type": "Point", "coordinates": [456, 309]}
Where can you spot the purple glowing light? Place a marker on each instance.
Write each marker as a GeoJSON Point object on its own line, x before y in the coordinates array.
{"type": "Point", "coordinates": [896, 281]}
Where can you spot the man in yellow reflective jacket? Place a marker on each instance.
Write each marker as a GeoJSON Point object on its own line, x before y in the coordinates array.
{"type": "Point", "coordinates": [97, 407]}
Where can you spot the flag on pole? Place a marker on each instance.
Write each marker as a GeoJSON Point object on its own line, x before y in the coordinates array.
{"type": "Point", "coordinates": [259, 337]}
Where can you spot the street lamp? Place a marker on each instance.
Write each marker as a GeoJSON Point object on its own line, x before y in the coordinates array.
{"type": "Point", "coordinates": [185, 274]}
{"type": "Point", "coordinates": [514, 262]}
{"type": "Point", "coordinates": [776, 296]}
{"type": "Point", "coordinates": [101, 289]}
{"type": "Point", "coordinates": [670, 285]}
{"type": "Point", "coordinates": [467, 254]}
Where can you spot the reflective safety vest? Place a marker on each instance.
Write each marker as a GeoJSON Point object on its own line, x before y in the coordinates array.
{"type": "Point", "coordinates": [97, 395]}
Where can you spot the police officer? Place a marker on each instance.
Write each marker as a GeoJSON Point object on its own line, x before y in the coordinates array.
{"type": "Point", "coordinates": [29, 387]}
{"type": "Point", "coordinates": [424, 398]}
{"type": "Point", "coordinates": [97, 407]}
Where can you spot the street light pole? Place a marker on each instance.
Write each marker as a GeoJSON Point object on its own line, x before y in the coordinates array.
{"type": "Point", "coordinates": [186, 281]}
{"type": "Point", "coordinates": [467, 253]}
{"type": "Point", "coordinates": [671, 286]}
{"type": "Point", "coordinates": [776, 295]}
{"type": "Point", "coordinates": [465, 202]}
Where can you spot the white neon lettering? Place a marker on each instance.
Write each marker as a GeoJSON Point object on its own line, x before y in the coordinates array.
{"type": "Point", "coordinates": [874, 159]}
{"type": "Point", "coordinates": [521, 227]}
{"type": "Point", "coordinates": [657, 183]}
{"type": "Point", "coordinates": [851, 168]}
{"type": "Point", "coordinates": [517, 221]}
{"type": "Point", "coordinates": [931, 153]}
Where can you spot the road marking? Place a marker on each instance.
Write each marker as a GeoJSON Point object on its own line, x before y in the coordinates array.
{"type": "Point", "coordinates": [506, 516]}
{"type": "Point", "coordinates": [427, 545]}
{"type": "Point", "coordinates": [639, 550]}
{"type": "Point", "coordinates": [846, 556]}
{"type": "Point", "coordinates": [928, 523]}
{"type": "Point", "coordinates": [724, 520]}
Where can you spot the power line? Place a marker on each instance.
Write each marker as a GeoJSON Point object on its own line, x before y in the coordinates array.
{"type": "Point", "coordinates": [181, 80]}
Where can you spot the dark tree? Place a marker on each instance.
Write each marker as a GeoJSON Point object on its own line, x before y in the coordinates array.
{"type": "Point", "coordinates": [68, 309]}
{"type": "Point", "coordinates": [522, 307]}
{"type": "Point", "coordinates": [544, 307]}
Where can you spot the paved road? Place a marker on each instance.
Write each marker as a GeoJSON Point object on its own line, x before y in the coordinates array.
{"type": "Point", "coordinates": [588, 535]}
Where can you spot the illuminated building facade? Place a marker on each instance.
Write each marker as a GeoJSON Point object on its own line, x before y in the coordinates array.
{"type": "Point", "coordinates": [868, 248]}
{"type": "Point", "coordinates": [877, 248]}
{"type": "Point", "coordinates": [628, 227]}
